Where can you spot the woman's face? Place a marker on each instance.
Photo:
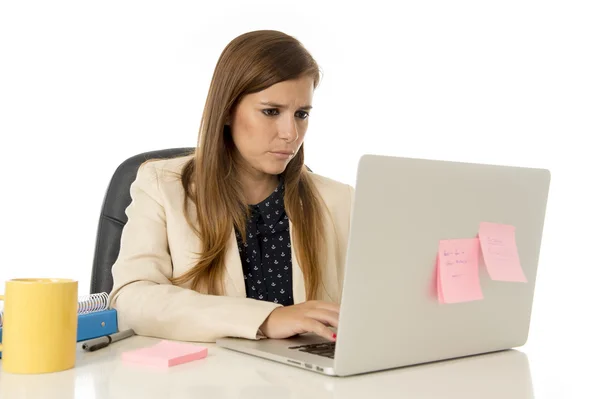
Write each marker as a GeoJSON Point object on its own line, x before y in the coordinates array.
{"type": "Point", "coordinates": [268, 127]}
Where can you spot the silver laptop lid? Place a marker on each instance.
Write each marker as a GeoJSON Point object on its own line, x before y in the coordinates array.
{"type": "Point", "coordinates": [403, 207]}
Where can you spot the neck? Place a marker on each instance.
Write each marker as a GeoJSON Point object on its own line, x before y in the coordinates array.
{"type": "Point", "coordinates": [258, 186]}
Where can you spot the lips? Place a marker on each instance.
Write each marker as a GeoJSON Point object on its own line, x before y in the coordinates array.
{"type": "Point", "coordinates": [282, 155]}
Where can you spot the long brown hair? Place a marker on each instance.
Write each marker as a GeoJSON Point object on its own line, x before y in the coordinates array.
{"type": "Point", "coordinates": [250, 63]}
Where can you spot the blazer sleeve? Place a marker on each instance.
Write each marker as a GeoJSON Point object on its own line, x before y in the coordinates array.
{"type": "Point", "coordinates": [145, 299]}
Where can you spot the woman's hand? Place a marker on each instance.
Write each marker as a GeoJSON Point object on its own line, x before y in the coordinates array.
{"type": "Point", "coordinates": [311, 316]}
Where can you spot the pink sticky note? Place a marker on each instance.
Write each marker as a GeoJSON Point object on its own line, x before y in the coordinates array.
{"type": "Point", "coordinates": [440, 292]}
{"type": "Point", "coordinates": [165, 354]}
{"type": "Point", "coordinates": [458, 271]}
{"type": "Point", "coordinates": [500, 252]}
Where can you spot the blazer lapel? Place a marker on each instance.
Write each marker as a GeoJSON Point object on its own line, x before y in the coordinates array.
{"type": "Point", "coordinates": [297, 275]}
{"type": "Point", "coordinates": [235, 285]}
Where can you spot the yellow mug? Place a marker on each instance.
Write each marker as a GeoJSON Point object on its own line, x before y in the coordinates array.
{"type": "Point", "coordinates": [39, 329]}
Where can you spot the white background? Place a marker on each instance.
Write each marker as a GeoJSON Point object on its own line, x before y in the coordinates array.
{"type": "Point", "coordinates": [84, 85]}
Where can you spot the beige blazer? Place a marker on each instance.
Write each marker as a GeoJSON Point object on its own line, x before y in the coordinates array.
{"type": "Point", "coordinates": [157, 243]}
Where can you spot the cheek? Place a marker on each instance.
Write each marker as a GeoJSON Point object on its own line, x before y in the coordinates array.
{"type": "Point", "coordinates": [251, 137]}
{"type": "Point", "coordinates": [301, 135]}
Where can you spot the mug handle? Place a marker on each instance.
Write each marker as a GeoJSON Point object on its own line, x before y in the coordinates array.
{"type": "Point", "coordinates": [1, 299]}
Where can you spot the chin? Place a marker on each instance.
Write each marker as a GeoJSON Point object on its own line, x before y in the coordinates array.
{"type": "Point", "coordinates": [273, 168]}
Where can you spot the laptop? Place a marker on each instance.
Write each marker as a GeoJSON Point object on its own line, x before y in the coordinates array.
{"type": "Point", "coordinates": [390, 315]}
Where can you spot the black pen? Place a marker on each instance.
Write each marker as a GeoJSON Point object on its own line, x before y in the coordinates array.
{"type": "Point", "coordinates": [102, 342]}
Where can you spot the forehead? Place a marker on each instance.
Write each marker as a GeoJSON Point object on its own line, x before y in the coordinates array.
{"type": "Point", "coordinates": [290, 92]}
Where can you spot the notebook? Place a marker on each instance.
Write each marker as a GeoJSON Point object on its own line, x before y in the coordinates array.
{"type": "Point", "coordinates": [95, 318]}
{"type": "Point", "coordinates": [165, 354]}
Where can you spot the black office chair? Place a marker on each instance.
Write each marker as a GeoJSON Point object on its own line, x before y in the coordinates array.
{"type": "Point", "coordinates": [113, 218]}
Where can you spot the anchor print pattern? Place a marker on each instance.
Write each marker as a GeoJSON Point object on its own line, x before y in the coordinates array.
{"type": "Point", "coordinates": [266, 253]}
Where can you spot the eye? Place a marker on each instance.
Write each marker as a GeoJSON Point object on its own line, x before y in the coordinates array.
{"type": "Point", "coordinates": [303, 114]}
{"type": "Point", "coordinates": [270, 111]}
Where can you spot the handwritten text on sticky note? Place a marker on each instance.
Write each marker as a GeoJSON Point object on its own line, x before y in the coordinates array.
{"type": "Point", "coordinates": [457, 271]}
{"type": "Point", "coordinates": [500, 252]}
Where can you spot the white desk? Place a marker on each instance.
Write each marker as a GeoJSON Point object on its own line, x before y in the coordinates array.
{"type": "Point", "coordinates": [227, 374]}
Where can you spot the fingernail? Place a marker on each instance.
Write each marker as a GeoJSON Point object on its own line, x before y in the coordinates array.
{"type": "Point", "coordinates": [334, 336]}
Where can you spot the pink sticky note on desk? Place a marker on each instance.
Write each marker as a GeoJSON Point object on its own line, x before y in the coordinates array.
{"type": "Point", "coordinates": [458, 271]}
{"type": "Point", "coordinates": [500, 253]}
{"type": "Point", "coordinates": [165, 354]}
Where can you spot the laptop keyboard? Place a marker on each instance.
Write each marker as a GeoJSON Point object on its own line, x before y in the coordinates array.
{"type": "Point", "coordinates": [326, 349]}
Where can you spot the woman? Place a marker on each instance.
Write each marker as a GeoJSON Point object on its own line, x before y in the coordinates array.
{"type": "Point", "coordinates": [238, 239]}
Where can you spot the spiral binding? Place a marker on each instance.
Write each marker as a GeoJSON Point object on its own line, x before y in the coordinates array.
{"type": "Point", "coordinates": [86, 304]}
{"type": "Point", "coordinates": [93, 303]}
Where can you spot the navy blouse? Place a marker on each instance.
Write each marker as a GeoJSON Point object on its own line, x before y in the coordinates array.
{"type": "Point", "coordinates": [267, 254]}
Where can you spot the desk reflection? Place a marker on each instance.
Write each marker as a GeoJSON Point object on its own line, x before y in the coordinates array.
{"type": "Point", "coordinates": [227, 374]}
{"type": "Point", "coordinates": [50, 385]}
{"type": "Point", "coordinates": [497, 375]}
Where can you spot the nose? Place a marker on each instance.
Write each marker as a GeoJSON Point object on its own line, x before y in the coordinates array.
{"type": "Point", "coordinates": [288, 130]}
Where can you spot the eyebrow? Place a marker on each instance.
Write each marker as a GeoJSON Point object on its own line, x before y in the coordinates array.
{"type": "Point", "coordinates": [275, 105]}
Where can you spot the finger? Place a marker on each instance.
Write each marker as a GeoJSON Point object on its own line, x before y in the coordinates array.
{"type": "Point", "coordinates": [333, 307]}
{"type": "Point", "coordinates": [312, 325]}
{"type": "Point", "coordinates": [324, 316]}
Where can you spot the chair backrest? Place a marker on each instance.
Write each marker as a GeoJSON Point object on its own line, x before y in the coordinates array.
{"type": "Point", "coordinates": [113, 218]}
